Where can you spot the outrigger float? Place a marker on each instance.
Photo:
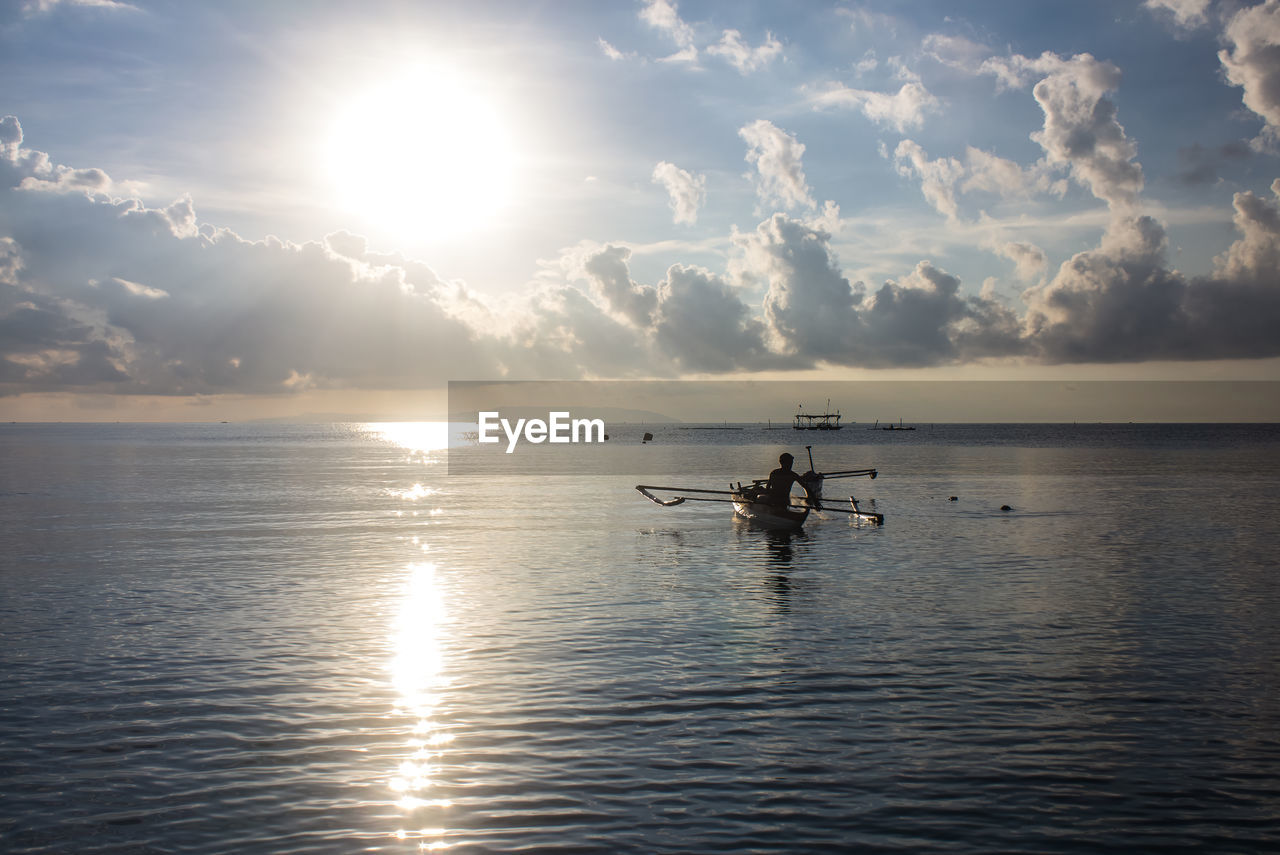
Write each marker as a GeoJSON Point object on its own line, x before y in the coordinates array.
{"type": "Point", "coordinates": [748, 502]}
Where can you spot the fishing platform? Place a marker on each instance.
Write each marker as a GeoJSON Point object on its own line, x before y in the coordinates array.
{"type": "Point", "coordinates": [817, 421]}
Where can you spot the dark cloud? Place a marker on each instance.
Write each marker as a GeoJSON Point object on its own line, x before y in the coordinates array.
{"type": "Point", "coordinates": [705, 326]}
{"type": "Point", "coordinates": [693, 320]}
{"type": "Point", "coordinates": [1122, 303]}
{"type": "Point", "coordinates": [1200, 165]}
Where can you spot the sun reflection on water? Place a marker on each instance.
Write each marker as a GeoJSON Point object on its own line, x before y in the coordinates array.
{"type": "Point", "coordinates": [417, 676]}
{"type": "Point", "coordinates": [417, 437]}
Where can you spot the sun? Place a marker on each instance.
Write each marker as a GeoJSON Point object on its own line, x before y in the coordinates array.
{"type": "Point", "coordinates": [421, 154]}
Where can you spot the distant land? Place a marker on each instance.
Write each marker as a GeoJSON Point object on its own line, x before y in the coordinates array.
{"type": "Point", "coordinates": [611, 415]}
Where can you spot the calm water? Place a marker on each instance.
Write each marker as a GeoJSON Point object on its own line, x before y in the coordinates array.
{"type": "Point", "coordinates": [244, 639]}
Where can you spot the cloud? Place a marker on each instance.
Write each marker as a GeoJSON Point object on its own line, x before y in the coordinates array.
{"type": "Point", "coordinates": [1252, 61]}
{"type": "Point", "coordinates": [1118, 303]}
{"type": "Point", "coordinates": [978, 171]}
{"type": "Point", "coordinates": [663, 16]}
{"type": "Point", "coordinates": [704, 326]}
{"type": "Point", "coordinates": [900, 110]}
{"type": "Point", "coordinates": [110, 291]}
{"type": "Point", "coordinates": [693, 320]}
{"type": "Point", "coordinates": [814, 313]}
{"type": "Point", "coordinates": [1187, 14]}
{"type": "Point", "coordinates": [1122, 302]}
{"type": "Point", "coordinates": [612, 52]}
{"type": "Point", "coordinates": [111, 294]}
{"type": "Point", "coordinates": [1029, 260]}
{"type": "Point", "coordinates": [744, 57]}
{"type": "Point", "coordinates": [10, 137]}
{"type": "Point", "coordinates": [955, 52]}
{"type": "Point", "coordinates": [687, 191]}
{"type": "Point", "coordinates": [1081, 131]}
{"type": "Point", "coordinates": [776, 155]}
{"type": "Point", "coordinates": [863, 20]}
{"type": "Point", "coordinates": [938, 178]}
{"type": "Point", "coordinates": [609, 273]}
{"type": "Point", "coordinates": [41, 7]}
{"type": "Point", "coordinates": [1199, 165]}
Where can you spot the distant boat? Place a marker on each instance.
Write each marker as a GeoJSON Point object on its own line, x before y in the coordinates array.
{"type": "Point", "coordinates": [817, 421]}
{"type": "Point", "coordinates": [898, 426]}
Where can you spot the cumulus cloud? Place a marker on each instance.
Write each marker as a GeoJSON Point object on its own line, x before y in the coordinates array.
{"type": "Point", "coordinates": [694, 318]}
{"type": "Point", "coordinates": [687, 191]}
{"type": "Point", "coordinates": [900, 110]}
{"type": "Point", "coordinates": [10, 137]}
{"type": "Point", "coordinates": [1121, 302]}
{"type": "Point", "coordinates": [704, 325]}
{"type": "Point", "coordinates": [814, 313]}
{"type": "Point", "coordinates": [1252, 61]}
{"type": "Point", "coordinates": [777, 155]}
{"type": "Point", "coordinates": [744, 57]}
{"type": "Point", "coordinates": [1081, 131]}
{"type": "Point", "coordinates": [609, 273]}
{"type": "Point", "coordinates": [1117, 303]}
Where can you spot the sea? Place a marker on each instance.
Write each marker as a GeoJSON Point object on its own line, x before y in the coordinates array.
{"type": "Point", "coordinates": [328, 638]}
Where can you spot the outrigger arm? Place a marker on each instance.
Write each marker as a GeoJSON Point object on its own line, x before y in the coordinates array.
{"type": "Point", "coordinates": [644, 489]}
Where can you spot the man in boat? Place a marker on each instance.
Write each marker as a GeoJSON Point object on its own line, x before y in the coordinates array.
{"type": "Point", "coordinates": [777, 490]}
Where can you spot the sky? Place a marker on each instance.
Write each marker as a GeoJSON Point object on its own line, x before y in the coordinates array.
{"type": "Point", "coordinates": [238, 209]}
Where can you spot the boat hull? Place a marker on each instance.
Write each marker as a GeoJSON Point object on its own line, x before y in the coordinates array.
{"type": "Point", "coordinates": [769, 516]}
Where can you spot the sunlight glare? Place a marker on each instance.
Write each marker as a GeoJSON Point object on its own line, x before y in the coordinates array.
{"type": "Point", "coordinates": [419, 437]}
{"type": "Point", "coordinates": [421, 154]}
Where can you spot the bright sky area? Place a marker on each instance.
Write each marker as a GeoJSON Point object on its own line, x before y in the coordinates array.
{"type": "Point", "coordinates": [241, 209]}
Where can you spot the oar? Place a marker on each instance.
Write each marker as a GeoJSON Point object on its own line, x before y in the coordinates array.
{"type": "Point", "coordinates": [644, 487]}
{"type": "Point", "coordinates": [849, 473]}
{"type": "Point", "coordinates": [677, 500]}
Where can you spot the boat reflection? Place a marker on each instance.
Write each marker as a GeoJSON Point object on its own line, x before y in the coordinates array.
{"type": "Point", "coordinates": [417, 676]}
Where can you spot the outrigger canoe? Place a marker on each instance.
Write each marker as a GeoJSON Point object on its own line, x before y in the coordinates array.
{"type": "Point", "coordinates": [748, 502]}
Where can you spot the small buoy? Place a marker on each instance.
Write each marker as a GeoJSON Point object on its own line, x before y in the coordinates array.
{"type": "Point", "coordinates": [1005, 508]}
{"type": "Point", "coordinates": [954, 499]}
